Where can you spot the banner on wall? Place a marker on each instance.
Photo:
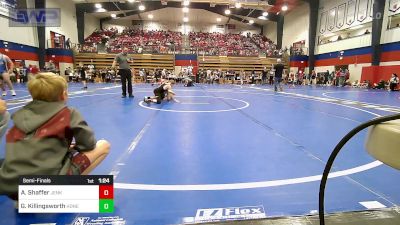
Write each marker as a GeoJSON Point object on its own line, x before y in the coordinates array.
{"type": "Point", "coordinates": [331, 19]}
{"type": "Point", "coordinates": [322, 22]}
{"type": "Point", "coordinates": [362, 10]}
{"type": "Point", "coordinates": [371, 8]}
{"type": "Point", "coordinates": [394, 5]}
{"type": "Point", "coordinates": [7, 6]}
{"type": "Point", "coordinates": [341, 15]}
{"type": "Point", "coordinates": [351, 12]}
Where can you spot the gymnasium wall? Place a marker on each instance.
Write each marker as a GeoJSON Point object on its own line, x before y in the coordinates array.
{"type": "Point", "coordinates": [68, 20]}
{"type": "Point", "coordinates": [346, 44]}
{"type": "Point", "coordinates": [389, 35]}
{"type": "Point", "coordinates": [91, 24]}
{"type": "Point", "coordinates": [336, 17]}
{"type": "Point", "coordinates": [62, 57]}
{"type": "Point", "coordinates": [270, 31]}
{"type": "Point", "coordinates": [355, 51]}
{"type": "Point", "coordinates": [20, 52]}
{"type": "Point", "coordinates": [296, 26]}
{"type": "Point", "coordinates": [359, 58]}
{"type": "Point", "coordinates": [22, 35]}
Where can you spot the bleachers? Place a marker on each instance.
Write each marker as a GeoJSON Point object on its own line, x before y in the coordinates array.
{"type": "Point", "coordinates": [140, 61]}
{"type": "Point", "coordinates": [235, 63]}
{"type": "Point", "coordinates": [161, 61]}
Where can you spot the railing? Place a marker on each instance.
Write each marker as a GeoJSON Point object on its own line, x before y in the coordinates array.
{"type": "Point", "coordinates": [173, 49]}
{"type": "Point", "coordinates": [322, 40]}
{"type": "Point", "coordinates": [49, 44]}
{"type": "Point", "coordinates": [148, 49]}
{"type": "Point", "coordinates": [299, 51]}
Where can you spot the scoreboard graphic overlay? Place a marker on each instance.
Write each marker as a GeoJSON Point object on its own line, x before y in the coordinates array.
{"type": "Point", "coordinates": [66, 194]}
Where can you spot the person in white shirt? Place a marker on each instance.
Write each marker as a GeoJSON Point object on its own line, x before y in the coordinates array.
{"type": "Point", "coordinates": [393, 82]}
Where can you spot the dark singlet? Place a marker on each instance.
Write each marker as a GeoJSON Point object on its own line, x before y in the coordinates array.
{"type": "Point", "coordinates": [160, 90]}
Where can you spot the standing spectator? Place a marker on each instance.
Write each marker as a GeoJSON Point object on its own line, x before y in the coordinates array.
{"type": "Point", "coordinates": [326, 78]}
{"type": "Point", "coordinates": [6, 68]}
{"type": "Point", "coordinates": [23, 73]}
{"type": "Point", "coordinates": [68, 44]}
{"type": "Point", "coordinates": [393, 82]}
{"type": "Point", "coordinates": [264, 75]}
{"type": "Point", "coordinates": [83, 77]}
{"type": "Point", "coordinates": [337, 77]}
{"type": "Point", "coordinates": [313, 78]}
{"type": "Point", "coordinates": [124, 71]}
{"type": "Point", "coordinates": [52, 67]}
{"type": "Point", "coordinates": [278, 75]}
{"type": "Point", "coordinates": [342, 78]}
{"type": "Point", "coordinates": [253, 77]}
{"type": "Point", "coordinates": [67, 71]}
{"type": "Point", "coordinates": [271, 77]}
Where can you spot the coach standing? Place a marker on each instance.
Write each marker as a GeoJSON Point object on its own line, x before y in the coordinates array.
{"type": "Point", "coordinates": [124, 71]}
{"type": "Point", "coordinates": [278, 75]}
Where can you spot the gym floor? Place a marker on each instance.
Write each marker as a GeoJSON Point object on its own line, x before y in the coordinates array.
{"type": "Point", "coordinates": [224, 146]}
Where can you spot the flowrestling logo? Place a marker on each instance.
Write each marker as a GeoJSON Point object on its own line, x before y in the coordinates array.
{"type": "Point", "coordinates": [103, 220]}
{"type": "Point", "coordinates": [35, 17]}
{"type": "Point", "coordinates": [232, 213]}
{"type": "Point", "coordinates": [81, 221]}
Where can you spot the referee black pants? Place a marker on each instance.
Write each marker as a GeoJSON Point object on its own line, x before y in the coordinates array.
{"type": "Point", "coordinates": [126, 75]}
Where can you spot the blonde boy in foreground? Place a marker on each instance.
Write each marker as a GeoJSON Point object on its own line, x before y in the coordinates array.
{"type": "Point", "coordinates": [39, 143]}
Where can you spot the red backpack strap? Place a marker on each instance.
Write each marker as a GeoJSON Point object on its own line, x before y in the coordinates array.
{"type": "Point", "coordinates": [14, 135]}
{"type": "Point", "coordinates": [58, 126]}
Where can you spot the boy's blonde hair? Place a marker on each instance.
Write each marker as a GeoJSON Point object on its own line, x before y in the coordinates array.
{"type": "Point", "coordinates": [47, 87]}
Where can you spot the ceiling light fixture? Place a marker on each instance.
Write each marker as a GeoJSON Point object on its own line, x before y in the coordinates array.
{"type": "Point", "coordinates": [98, 5]}
{"type": "Point", "coordinates": [262, 18]}
{"type": "Point", "coordinates": [238, 5]}
{"type": "Point", "coordinates": [142, 7]}
{"type": "Point", "coordinates": [150, 16]}
{"type": "Point", "coordinates": [185, 19]}
{"type": "Point", "coordinates": [113, 15]}
{"type": "Point", "coordinates": [284, 7]}
{"type": "Point", "coordinates": [218, 19]}
{"type": "Point", "coordinates": [265, 13]}
{"type": "Point", "coordinates": [185, 9]}
{"type": "Point", "coordinates": [186, 2]}
{"type": "Point", "coordinates": [101, 10]}
{"type": "Point", "coordinates": [227, 12]}
{"type": "Point", "coordinates": [251, 21]}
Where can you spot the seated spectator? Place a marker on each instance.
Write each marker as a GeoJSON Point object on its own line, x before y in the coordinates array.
{"type": "Point", "coordinates": [41, 140]}
{"type": "Point", "coordinates": [393, 82]}
{"type": "Point", "coordinates": [380, 85]}
{"type": "Point", "coordinates": [355, 84]}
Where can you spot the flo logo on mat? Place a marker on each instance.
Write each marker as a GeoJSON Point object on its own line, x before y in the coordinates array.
{"type": "Point", "coordinates": [103, 220]}
{"type": "Point", "coordinates": [80, 221]}
{"type": "Point", "coordinates": [232, 213]}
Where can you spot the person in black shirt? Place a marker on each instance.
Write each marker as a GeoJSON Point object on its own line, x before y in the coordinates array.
{"type": "Point", "coordinates": [264, 75]}
{"type": "Point", "coordinates": [278, 75]}
{"type": "Point", "coordinates": [83, 77]}
{"type": "Point", "coordinates": [160, 93]}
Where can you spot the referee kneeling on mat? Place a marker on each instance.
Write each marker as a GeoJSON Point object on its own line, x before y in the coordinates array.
{"type": "Point", "coordinates": [123, 61]}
